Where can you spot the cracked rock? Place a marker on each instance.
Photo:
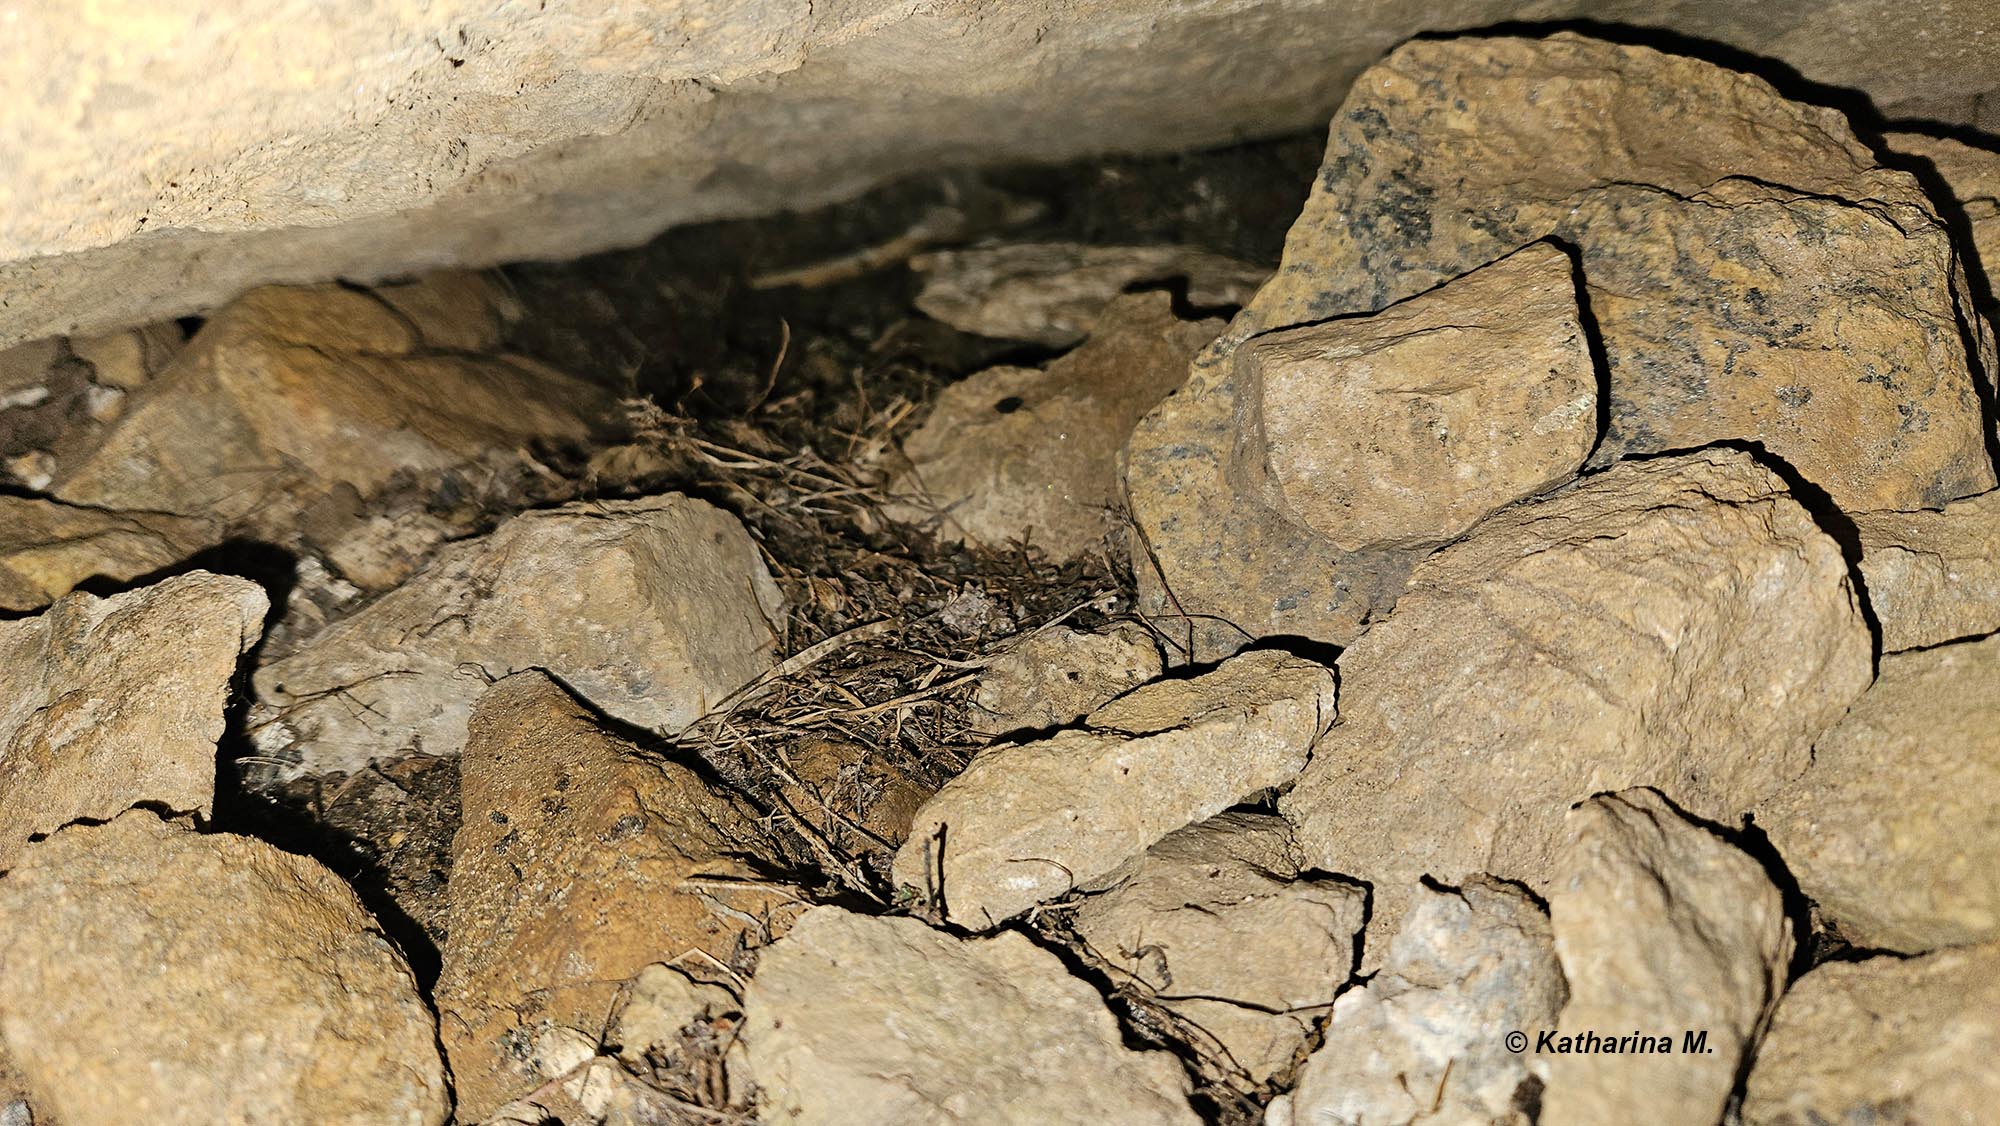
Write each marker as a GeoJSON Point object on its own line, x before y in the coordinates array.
{"type": "Point", "coordinates": [1933, 577]}
{"type": "Point", "coordinates": [47, 548]}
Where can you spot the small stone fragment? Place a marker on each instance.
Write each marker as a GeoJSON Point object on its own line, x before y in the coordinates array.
{"type": "Point", "coordinates": [1933, 577]}
{"type": "Point", "coordinates": [1057, 675]}
{"type": "Point", "coordinates": [47, 548]}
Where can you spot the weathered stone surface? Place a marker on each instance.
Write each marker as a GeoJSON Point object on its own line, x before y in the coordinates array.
{"type": "Point", "coordinates": [885, 1020]}
{"type": "Point", "coordinates": [1055, 676]}
{"type": "Point", "coordinates": [107, 703]}
{"type": "Point", "coordinates": [1894, 832]}
{"type": "Point", "coordinates": [47, 548]}
{"type": "Point", "coordinates": [1933, 577]}
{"type": "Point", "coordinates": [1423, 1041]}
{"type": "Point", "coordinates": [653, 610]}
{"type": "Point", "coordinates": [1885, 1040]}
{"type": "Point", "coordinates": [1662, 927]}
{"type": "Point", "coordinates": [570, 876]}
{"type": "Point", "coordinates": [1215, 922]}
{"type": "Point", "coordinates": [854, 797]}
{"type": "Point", "coordinates": [1972, 177]}
{"type": "Point", "coordinates": [1637, 629]}
{"type": "Point", "coordinates": [1028, 822]}
{"type": "Point", "coordinates": [1026, 454]}
{"type": "Point", "coordinates": [126, 360]}
{"type": "Point", "coordinates": [151, 974]}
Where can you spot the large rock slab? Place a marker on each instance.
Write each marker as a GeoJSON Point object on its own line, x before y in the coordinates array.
{"type": "Point", "coordinates": [579, 863]}
{"type": "Point", "coordinates": [886, 1020]}
{"type": "Point", "coordinates": [151, 974]}
{"type": "Point", "coordinates": [1894, 832]}
{"type": "Point", "coordinates": [653, 610]}
{"type": "Point", "coordinates": [47, 548]}
{"type": "Point", "coordinates": [1662, 928]}
{"type": "Point", "coordinates": [1885, 1040]}
{"type": "Point", "coordinates": [1933, 577]}
{"type": "Point", "coordinates": [1637, 629]}
{"type": "Point", "coordinates": [1031, 821]}
{"type": "Point", "coordinates": [109, 703]}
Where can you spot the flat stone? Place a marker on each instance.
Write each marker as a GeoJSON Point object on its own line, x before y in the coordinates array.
{"type": "Point", "coordinates": [47, 548]}
{"type": "Point", "coordinates": [1933, 577]}
{"type": "Point", "coordinates": [1058, 675]}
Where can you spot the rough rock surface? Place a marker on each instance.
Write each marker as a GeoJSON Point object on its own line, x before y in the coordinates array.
{"type": "Point", "coordinates": [47, 548]}
{"type": "Point", "coordinates": [151, 974]}
{"type": "Point", "coordinates": [1031, 454]}
{"type": "Point", "coordinates": [1661, 927]}
{"type": "Point", "coordinates": [1215, 922]}
{"type": "Point", "coordinates": [1058, 675]}
{"type": "Point", "coordinates": [1972, 178]}
{"type": "Point", "coordinates": [1885, 1040]}
{"type": "Point", "coordinates": [107, 703]}
{"type": "Point", "coordinates": [852, 1018]}
{"type": "Point", "coordinates": [1894, 832]}
{"type": "Point", "coordinates": [1422, 1042]}
{"type": "Point", "coordinates": [1636, 629]}
{"type": "Point", "coordinates": [653, 610]}
{"type": "Point", "coordinates": [1933, 577]}
{"type": "Point", "coordinates": [1028, 822]}
{"type": "Point", "coordinates": [569, 876]}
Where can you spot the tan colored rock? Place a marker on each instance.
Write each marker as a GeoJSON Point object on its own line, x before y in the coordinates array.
{"type": "Point", "coordinates": [885, 1020]}
{"type": "Point", "coordinates": [1029, 822]}
{"type": "Point", "coordinates": [1933, 577]}
{"type": "Point", "coordinates": [1215, 922]}
{"type": "Point", "coordinates": [854, 797]}
{"type": "Point", "coordinates": [453, 310]}
{"type": "Point", "coordinates": [1885, 1040]}
{"type": "Point", "coordinates": [1893, 832]}
{"type": "Point", "coordinates": [1662, 927]}
{"type": "Point", "coordinates": [654, 610]}
{"type": "Point", "coordinates": [1058, 675]}
{"type": "Point", "coordinates": [47, 548]}
{"type": "Point", "coordinates": [660, 1002]}
{"type": "Point", "coordinates": [1972, 176]}
{"type": "Point", "coordinates": [151, 974]}
{"type": "Point", "coordinates": [109, 703]}
{"type": "Point", "coordinates": [1637, 629]}
{"type": "Point", "coordinates": [1031, 455]}
{"type": "Point", "coordinates": [1424, 1040]}
{"type": "Point", "coordinates": [570, 876]}
{"type": "Point", "coordinates": [127, 360]}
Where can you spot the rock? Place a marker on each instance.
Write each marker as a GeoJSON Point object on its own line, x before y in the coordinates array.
{"type": "Point", "coordinates": [1408, 427]}
{"type": "Point", "coordinates": [660, 1003]}
{"type": "Point", "coordinates": [1424, 1040]}
{"type": "Point", "coordinates": [570, 876]}
{"type": "Point", "coordinates": [152, 974]}
{"type": "Point", "coordinates": [1662, 927]}
{"type": "Point", "coordinates": [1636, 629]}
{"type": "Point", "coordinates": [856, 798]}
{"type": "Point", "coordinates": [852, 1018]}
{"type": "Point", "coordinates": [1057, 675]}
{"type": "Point", "coordinates": [1052, 293]}
{"type": "Point", "coordinates": [1933, 577]}
{"type": "Point", "coordinates": [1028, 822]}
{"type": "Point", "coordinates": [1893, 832]}
{"type": "Point", "coordinates": [1215, 922]}
{"type": "Point", "coordinates": [1885, 1040]}
{"type": "Point", "coordinates": [109, 703]}
{"type": "Point", "coordinates": [1020, 454]}
{"type": "Point", "coordinates": [453, 310]}
{"type": "Point", "coordinates": [654, 610]}
{"type": "Point", "coordinates": [1972, 177]}
{"type": "Point", "coordinates": [127, 360]}
{"type": "Point", "coordinates": [47, 548]}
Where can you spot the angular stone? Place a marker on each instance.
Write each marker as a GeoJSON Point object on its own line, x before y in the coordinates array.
{"type": "Point", "coordinates": [1933, 577]}
{"type": "Point", "coordinates": [1215, 923]}
{"type": "Point", "coordinates": [1662, 927]}
{"type": "Point", "coordinates": [1972, 177]}
{"type": "Point", "coordinates": [654, 610]}
{"type": "Point", "coordinates": [1028, 822]}
{"type": "Point", "coordinates": [1639, 628]}
{"type": "Point", "coordinates": [851, 1018]}
{"type": "Point", "coordinates": [109, 703]}
{"type": "Point", "coordinates": [47, 548]}
{"type": "Point", "coordinates": [1885, 1040]}
{"type": "Point", "coordinates": [1424, 1040]}
{"type": "Point", "coordinates": [570, 875]}
{"type": "Point", "coordinates": [1894, 832]}
{"type": "Point", "coordinates": [151, 974]}
{"type": "Point", "coordinates": [1057, 675]}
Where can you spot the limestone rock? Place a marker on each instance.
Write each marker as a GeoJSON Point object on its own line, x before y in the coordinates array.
{"type": "Point", "coordinates": [47, 548]}
{"type": "Point", "coordinates": [1972, 176]}
{"type": "Point", "coordinates": [1893, 832]}
{"type": "Point", "coordinates": [1215, 922]}
{"type": "Point", "coordinates": [1424, 1040]}
{"type": "Point", "coordinates": [1637, 629]}
{"type": "Point", "coordinates": [1057, 675]}
{"type": "Point", "coordinates": [1933, 577]}
{"type": "Point", "coordinates": [569, 877]}
{"type": "Point", "coordinates": [653, 610]}
{"type": "Point", "coordinates": [108, 703]}
{"type": "Point", "coordinates": [151, 974]}
{"type": "Point", "coordinates": [1028, 822]}
{"type": "Point", "coordinates": [1885, 1040]}
{"type": "Point", "coordinates": [1662, 927]}
{"type": "Point", "coordinates": [885, 1020]}
{"type": "Point", "coordinates": [1026, 454]}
